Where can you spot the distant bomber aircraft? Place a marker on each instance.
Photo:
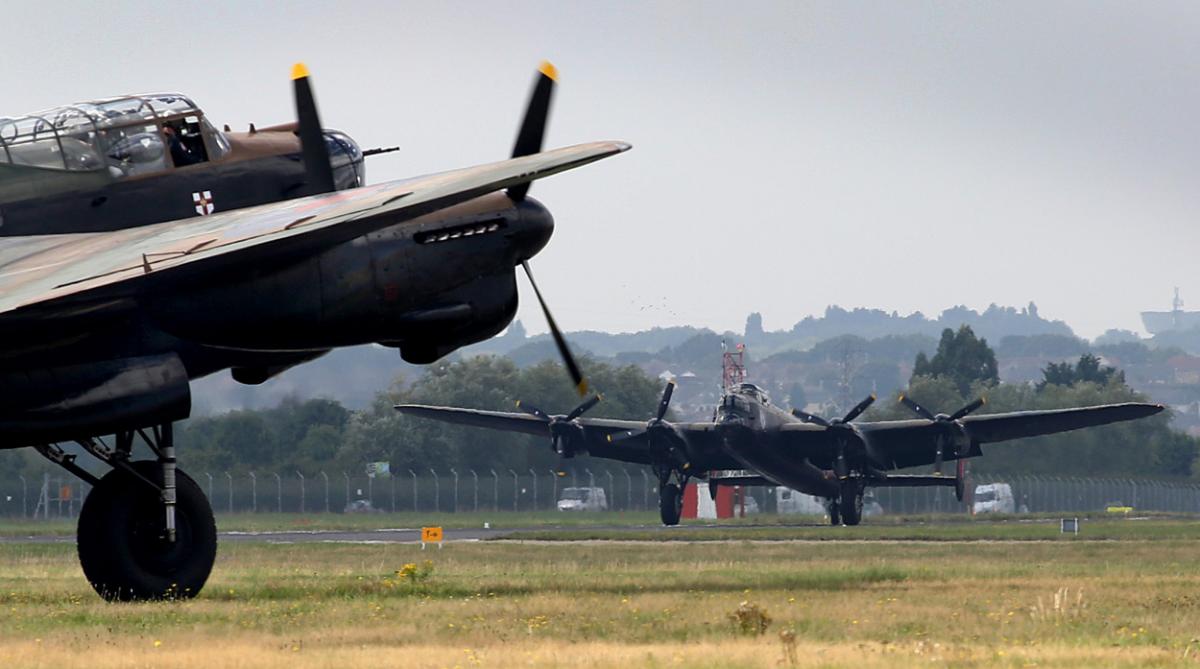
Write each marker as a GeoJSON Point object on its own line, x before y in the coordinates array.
{"type": "Point", "coordinates": [141, 248]}
{"type": "Point", "coordinates": [834, 459]}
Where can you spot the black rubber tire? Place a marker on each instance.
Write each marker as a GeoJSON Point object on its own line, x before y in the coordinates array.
{"type": "Point", "coordinates": [835, 518]}
{"type": "Point", "coordinates": [850, 503]}
{"type": "Point", "coordinates": [121, 537]}
{"type": "Point", "coordinates": [670, 504]}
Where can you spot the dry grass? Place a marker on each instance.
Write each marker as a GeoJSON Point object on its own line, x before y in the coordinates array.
{"type": "Point", "coordinates": [1101, 604]}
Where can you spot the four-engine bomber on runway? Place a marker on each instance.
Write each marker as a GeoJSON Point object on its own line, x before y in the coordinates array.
{"type": "Point", "coordinates": [834, 459]}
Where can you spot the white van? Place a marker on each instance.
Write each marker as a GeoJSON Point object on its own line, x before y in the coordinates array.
{"type": "Point", "coordinates": [790, 501]}
{"type": "Point", "coordinates": [994, 498]}
{"type": "Point", "coordinates": [583, 499]}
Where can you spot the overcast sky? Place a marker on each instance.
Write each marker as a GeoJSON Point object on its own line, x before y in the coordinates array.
{"type": "Point", "coordinates": [787, 156]}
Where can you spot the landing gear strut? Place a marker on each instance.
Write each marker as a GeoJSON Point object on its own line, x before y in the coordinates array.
{"type": "Point", "coordinates": [850, 502]}
{"type": "Point", "coordinates": [146, 530]}
{"type": "Point", "coordinates": [670, 496]}
{"type": "Point", "coordinates": [831, 506]}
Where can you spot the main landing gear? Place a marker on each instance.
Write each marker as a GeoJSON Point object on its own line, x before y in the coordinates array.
{"type": "Point", "coordinates": [146, 530]}
{"type": "Point", "coordinates": [671, 484]}
{"type": "Point", "coordinates": [846, 508]}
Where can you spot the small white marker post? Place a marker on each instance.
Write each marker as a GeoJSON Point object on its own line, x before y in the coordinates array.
{"type": "Point", "coordinates": [1069, 526]}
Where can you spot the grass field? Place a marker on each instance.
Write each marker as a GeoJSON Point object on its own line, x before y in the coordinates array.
{"type": "Point", "coordinates": [1116, 602]}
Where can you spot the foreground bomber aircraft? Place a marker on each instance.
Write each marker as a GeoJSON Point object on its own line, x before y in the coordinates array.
{"type": "Point", "coordinates": [835, 459]}
{"type": "Point", "coordinates": [102, 331]}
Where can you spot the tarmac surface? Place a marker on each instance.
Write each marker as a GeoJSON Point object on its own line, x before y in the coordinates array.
{"type": "Point", "coordinates": [404, 535]}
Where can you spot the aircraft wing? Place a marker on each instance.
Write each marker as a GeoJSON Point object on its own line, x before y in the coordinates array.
{"type": "Point", "coordinates": [42, 276]}
{"type": "Point", "coordinates": [595, 431]}
{"type": "Point", "coordinates": [908, 443]}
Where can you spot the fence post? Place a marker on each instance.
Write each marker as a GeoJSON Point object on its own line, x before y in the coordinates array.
{"type": "Point", "coordinates": [437, 491]}
{"type": "Point", "coordinates": [346, 478]}
{"type": "Point", "coordinates": [253, 493]}
{"type": "Point", "coordinates": [414, 478]}
{"type": "Point", "coordinates": [371, 488]}
{"type": "Point", "coordinates": [554, 489]}
{"type": "Point", "coordinates": [24, 496]}
{"type": "Point", "coordinates": [628, 490]}
{"type": "Point", "coordinates": [392, 487]}
{"type": "Point", "coordinates": [645, 490]}
{"type": "Point", "coordinates": [326, 477]}
{"type": "Point", "coordinates": [278, 493]}
{"type": "Point", "coordinates": [475, 478]}
{"type": "Point", "coordinates": [591, 478]}
{"type": "Point", "coordinates": [535, 498]}
{"type": "Point", "coordinates": [495, 491]}
{"type": "Point", "coordinates": [301, 490]}
{"type": "Point", "coordinates": [230, 478]}
{"type": "Point", "coordinates": [455, 475]}
{"type": "Point", "coordinates": [516, 488]}
{"type": "Point", "coordinates": [209, 487]}
{"type": "Point", "coordinates": [612, 490]}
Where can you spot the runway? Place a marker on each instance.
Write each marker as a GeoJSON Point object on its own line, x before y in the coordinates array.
{"type": "Point", "coordinates": [402, 535]}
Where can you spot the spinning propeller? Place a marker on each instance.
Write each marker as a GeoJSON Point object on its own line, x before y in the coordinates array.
{"type": "Point", "coordinates": [660, 433]}
{"type": "Point", "coordinates": [842, 430]}
{"type": "Point", "coordinates": [953, 430]}
{"type": "Point", "coordinates": [318, 169]}
{"type": "Point", "coordinates": [562, 427]}
{"type": "Point", "coordinates": [529, 142]}
{"type": "Point", "coordinates": [854, 413]}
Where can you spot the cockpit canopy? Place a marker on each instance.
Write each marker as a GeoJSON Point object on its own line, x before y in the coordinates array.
{"type": "Point", "coordinates": [127, 135]}
{"type": "Point", "coordinates": [753, 391]}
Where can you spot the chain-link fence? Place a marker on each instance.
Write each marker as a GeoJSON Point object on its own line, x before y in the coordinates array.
{"type": "Point", "coordinates": [625, 489]}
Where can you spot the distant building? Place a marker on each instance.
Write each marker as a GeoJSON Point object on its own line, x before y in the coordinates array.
{"type": "Point", "coordinates": [1168, 321]}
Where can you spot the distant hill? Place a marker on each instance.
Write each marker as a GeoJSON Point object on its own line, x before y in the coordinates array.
{"type": "Point", "coordinates": [879, 345]}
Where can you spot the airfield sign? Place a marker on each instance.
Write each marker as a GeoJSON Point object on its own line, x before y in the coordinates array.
{"type": "Point", "coordinates": [431, 535]}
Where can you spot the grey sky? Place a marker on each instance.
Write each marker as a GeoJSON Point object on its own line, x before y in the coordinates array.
{"type": "Point", "coordinates": [905, 156]}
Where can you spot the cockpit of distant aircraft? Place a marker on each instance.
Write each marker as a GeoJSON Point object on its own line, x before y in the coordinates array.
{"type": "Point", "coordinates": [138, 159]}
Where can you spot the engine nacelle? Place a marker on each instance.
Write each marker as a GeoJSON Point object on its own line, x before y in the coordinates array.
{"type": "Point", "coordinates": [76, 401]}
{"type": "Point", "coordinates": [427, 286]}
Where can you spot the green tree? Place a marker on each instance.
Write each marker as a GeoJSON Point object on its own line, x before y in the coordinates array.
{"type": "Point", "coordinates": [1087, 370]}
{"type": "Point", "coordinates": [961, 357]}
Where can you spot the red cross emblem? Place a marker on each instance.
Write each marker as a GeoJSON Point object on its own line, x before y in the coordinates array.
{"type": "Point", "coordinates": [204, 202]}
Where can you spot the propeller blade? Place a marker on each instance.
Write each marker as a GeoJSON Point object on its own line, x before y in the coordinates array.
{"type": "Point", "coordinates": [810, 418]}
{"type": "Point", "coordinates": [666, 400]}
{"type": "Point", "coordinates": [533, 128]}
{"type": "Point", "coordinates": [917, 408]}
{"type": "Point", "coordinates": [968, 409]}
{"type": "Point", "coordinates": [859, 408]}
{"type": "Point", "coordinates": [318, 170]}
{"type": "Point", "coordinates": [586, 406]}
{"type": "Point", "coordinates": [533, 411]}
{"type": "Point", "coordinates": [581, 385]}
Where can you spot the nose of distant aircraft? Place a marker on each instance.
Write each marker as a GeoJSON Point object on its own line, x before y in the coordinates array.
{"type": "Point", "coordinates": [532, 230]}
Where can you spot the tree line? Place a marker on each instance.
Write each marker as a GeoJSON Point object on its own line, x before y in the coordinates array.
{"type": "Point", "coordinates": [320, 434]}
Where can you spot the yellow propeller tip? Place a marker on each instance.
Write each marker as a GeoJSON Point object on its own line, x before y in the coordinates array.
{"type": "Point", "coordinates": [983, 400]}
{"type": "Point", "coordinates": [582, 388]}
{"type": "Point", "coordinates": [901, 398]}
{"type": "Point", "coordinates": [873, 396]}
{"type": "Point", "coordinates": [299, 71]}
{"type": "Point", "coordinates": [609, 438]}
{"type": "Point", "coordinates": [547, 68]}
